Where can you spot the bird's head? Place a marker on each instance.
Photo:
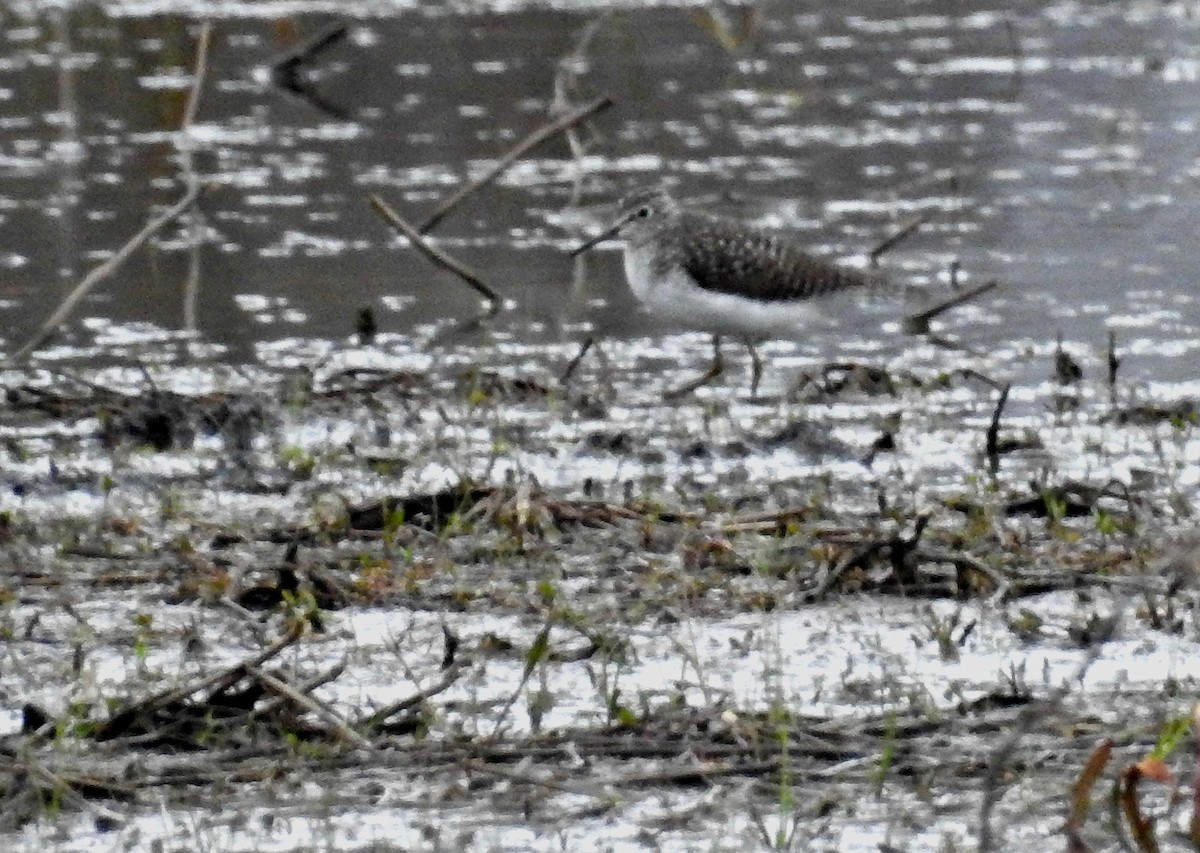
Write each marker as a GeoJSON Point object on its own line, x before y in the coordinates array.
{"type": "Point", "coordinates": [643, 214]}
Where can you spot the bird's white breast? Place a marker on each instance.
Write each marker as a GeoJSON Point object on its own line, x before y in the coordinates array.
{"type": "Point", "coordinates": [674, 296]}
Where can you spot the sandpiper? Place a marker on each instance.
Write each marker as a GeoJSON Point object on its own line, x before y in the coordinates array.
{"type": "Point", "coordinates": [725, 277]}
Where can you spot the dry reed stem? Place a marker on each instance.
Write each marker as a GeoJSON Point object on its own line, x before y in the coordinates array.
{"type": "Point", "coordinates": [436, 255]}
{"type": "Point", "coordinates": [537, 137]}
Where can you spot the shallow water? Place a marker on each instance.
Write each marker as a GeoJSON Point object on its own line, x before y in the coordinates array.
{"type": "Point", "coordinates": [1052, 145]}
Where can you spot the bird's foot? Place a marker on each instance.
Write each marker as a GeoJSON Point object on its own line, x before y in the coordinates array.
{"type": "Point", "coordinates": [706, 378]}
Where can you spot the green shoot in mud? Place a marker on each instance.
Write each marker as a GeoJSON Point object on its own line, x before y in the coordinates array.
{"type": "Point", "coordinates": [1106, 525]}
{"type": "Point", "coordinates": [537, 652]}
{"type": "Point", "coordinates": [52, 799]}
{"type": "Point", "coordinates": [538, 702]}
{"type": "Point", "coordinates": [393, 523]}
{"type": "Point", "coordinates": [1056, 507]}
{"type": "Point", "coordinates": [787, 814]}
{"type": "Point", "coordinates": [207, 733]}
{"type": "Point", "coordinates": [779, 719]}
{"type": "Point", "coordinates": [606, 680]}
{"type": "Point", "coordinates": [1172, 735]}
{"type": "Point", "coordinates": [1026, 624]}
{"type": "Point", "coordinates": [301, 607]}
{"type": "Point", "coordinates": [142, 622]}
{"type": "Point", "coordinates": [305, 748]}
{"type": "Point", "coordinates": [547, 592]}
{"type": "Point", "coordinates": [78, 723]}
{"type": "Point", "coordinates": [297, 461]}
{"type": "Point", "coordinates": [887, 754]}
{"type": "Point", "coordinates": [941, 631]}
{"type": "Point", "coordinates": [618, 712]}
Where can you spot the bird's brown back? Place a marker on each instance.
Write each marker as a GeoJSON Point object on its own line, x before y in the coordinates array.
{"type": "Point", "coordinates": [727, 257]}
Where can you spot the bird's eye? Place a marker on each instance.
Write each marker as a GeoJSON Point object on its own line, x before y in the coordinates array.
{"type": "Point", "coordinates": [643, 212]}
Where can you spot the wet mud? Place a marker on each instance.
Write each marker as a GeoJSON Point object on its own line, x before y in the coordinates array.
{"type": "Point", "coordinates": [353, 542]}
{"type": "Point", "coordinates": [489, 609]}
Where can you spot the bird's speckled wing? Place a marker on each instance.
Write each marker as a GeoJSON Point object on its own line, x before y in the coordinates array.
{"type": "Point", "coordinates": [726, 257]}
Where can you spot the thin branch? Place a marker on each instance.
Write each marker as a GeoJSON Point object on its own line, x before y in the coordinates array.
{"type": "Point", "coordinates": [543, 133]}
{"type": "Point", "coordinates": [1024, 722]}
{"type": "Point", "coordinates": [573, 364]}
{"type": "Point", "coordinates": [436, 255]}
{"type": "Point", "coordinates": [195, 223]}
{"type": "Point", "coordinates": [906, 231]}
{"type": "Point", "coordinates": [288, 72]}
{"type": "Point", "coordinates": [565, 81]}
{"type": "Point", "coordinates": [285, 69]}
{"type": "Point", "coordinates": [226, 676]}
{"type": "Point", "coordinates": [105, 269]}
{"type": "Point", "coordinates": [65, 788]}
{"type": "Point", "coordinates": [307, 702]}
{"type": "Point", "coordinates": [444, 683]}
{"type": "Point", "coordinates": [199, 72]}
{"type": "Point", "coordinates": [966, 561]}
{"type": "Point", "coordinates": [521, 775]}
{"type": "Point", "coordinates": [1114, 363]}
{"type": "Point", "coordinates": [993, 431]}
{"type": "Point", "coordinates": [918, 324]}
{"type": "Point", "coordinates": [267, 705]}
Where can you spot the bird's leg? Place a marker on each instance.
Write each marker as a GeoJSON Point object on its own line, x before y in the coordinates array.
{"type": "Point", "coordinates": [714, 370]}
{"type": "Point", "coordinates": [756, 368]}
{"type": "Point", "coordinates": [573, 364]}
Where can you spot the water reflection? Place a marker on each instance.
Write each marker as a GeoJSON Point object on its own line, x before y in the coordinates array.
{"type": "Point", "coordinates": [1053, 143]}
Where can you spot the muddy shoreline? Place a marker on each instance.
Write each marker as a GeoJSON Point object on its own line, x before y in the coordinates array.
{"type": "Point", "coordinates": [253, 593]}
{"type": "Point", "coordinates": [297, 552]}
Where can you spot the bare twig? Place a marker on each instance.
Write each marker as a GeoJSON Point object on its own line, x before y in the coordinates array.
{"type": "Point", "coordinates": [971, 373]}
{"type": "Point", "coordinates": [289, 73]}
{"type": "Point", "coordinates": [449, 676]}
{"type": "Point", "coordinates": [105, 269]}
{"type": "Point", "coordinates": [307, 702]}
{"type": "Point", "coordinates": [918, 324]}
{"type": "Point", "coordinates": [764, 522]}
{"type": "Point", "coordinates": [329, 675]}
{"type": "Point", "coordinates": [1081, 796]}
{"type": "Point", "coordinates": [522, 775]}
{"type": "Point", "coordinates": [65, 788]}
{"type": "Point", "coordinates": [436, 255]}
{"type": "Point", "coordinates": [833, 573]}
{"type": "Point", "coordinates": [307, 687]}
{"type": "Point", "coordinates": [199, 72]}
{"type": "Point", "coordinates": [227, 676]}
{"type": "Point", "coordinates": [573, 364]}
{"type": "Point", "coordinates": [966, 561]}
{"type": "Point", "coordinates": [1016, 52]}
{"type": "Point", "coordinates": [536, 654]}
{"type": "Point", "coordinates": [1024, 722]}
{"type": "Point", "coordinates": [285, 69]}
{"type": "Point", "coordinates": [1114, 364]}
{"type": "Point", "coordinates": [195, 224]}
{"type": "Point", "coordinates": [543, 133]}
{"type": "Point", "coordinates": [889, 243]}
{"type": "Point", "coordinates": [993, 432]}
{"type": "Point", "coordinates": [565, 81]}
